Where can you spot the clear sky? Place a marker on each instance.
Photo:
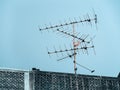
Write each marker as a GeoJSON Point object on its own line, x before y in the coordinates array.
{"type": "Point", "coordinates": [23, 46]}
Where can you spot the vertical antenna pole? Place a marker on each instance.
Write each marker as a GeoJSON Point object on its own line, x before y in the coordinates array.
{"type": "Point", "coordinates": [74, 61]}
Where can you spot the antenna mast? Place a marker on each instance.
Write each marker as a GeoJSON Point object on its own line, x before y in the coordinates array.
{"type": "Point", "coordinates": [80, 44]}
{"type": "Point", "coordinates": [74, 47]}
{"type": "Point", "coordinates": [81, 41]}
{"type": "Point", "coordinates": [74, 61]}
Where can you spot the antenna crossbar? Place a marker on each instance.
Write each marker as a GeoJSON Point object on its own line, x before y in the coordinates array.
{"type": "Point", "coordinates": [70, 23]}
{"type": "Point", "coordinates": [72, 49]}
{"type": "Point", "coordinates": [72, 35]}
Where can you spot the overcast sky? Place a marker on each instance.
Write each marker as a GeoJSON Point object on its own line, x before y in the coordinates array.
{"type": "Point", "coordinates": [23, 46]}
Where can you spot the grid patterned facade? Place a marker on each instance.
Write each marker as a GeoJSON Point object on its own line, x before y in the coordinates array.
{"type": "Point", "coordinates": [40, 80]}
{"type": "Point", "coordinates": [11, 80]}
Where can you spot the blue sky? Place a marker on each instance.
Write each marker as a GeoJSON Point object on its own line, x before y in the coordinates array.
{"type": "Point", "coordinates": [23, 46]}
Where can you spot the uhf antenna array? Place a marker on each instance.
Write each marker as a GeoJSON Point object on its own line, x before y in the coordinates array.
{"type": "Point", "coordinates": [89, 20]}
{"type": "Point", "coordinates": [80, 45]}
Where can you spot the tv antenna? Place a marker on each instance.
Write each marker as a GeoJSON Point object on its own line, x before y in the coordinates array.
{"type": "Point", "coordinates": [78, 43]}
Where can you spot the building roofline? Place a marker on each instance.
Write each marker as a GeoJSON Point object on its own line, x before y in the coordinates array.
{"type": "Point", "coordinates": [13, 70]}
{"type": "Point", "coordinates": [100, 76]}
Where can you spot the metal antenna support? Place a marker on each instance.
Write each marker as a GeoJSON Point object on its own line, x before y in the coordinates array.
{"type": "Point", "coordinates": [70, 56]}
{"type": "Point", "coordinates": [74, 47]}
{"type": "Point", "coordinates": [85, 67]}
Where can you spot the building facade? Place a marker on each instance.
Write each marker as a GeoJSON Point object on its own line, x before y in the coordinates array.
{"type": "Point", "coordinates": [41, 80]}
{"type": "Point", "coordinates": [11, 79]}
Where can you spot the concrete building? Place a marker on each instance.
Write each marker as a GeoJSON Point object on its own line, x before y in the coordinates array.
{"type": "Point", "coordinates": [11, 79]}
{"type": "Point", "coordinates": [42, 80]}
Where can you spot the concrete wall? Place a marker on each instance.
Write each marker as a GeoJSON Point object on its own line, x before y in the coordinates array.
{"type": "Point", "coordinates": [41, 80]}
{"type": "Point", "coordinates": [11, 80]}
